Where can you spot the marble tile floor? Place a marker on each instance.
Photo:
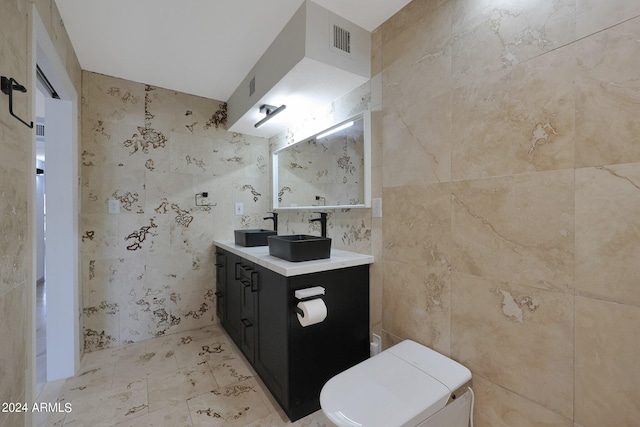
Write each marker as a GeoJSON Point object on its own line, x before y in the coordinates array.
{"type": "Point", "coordinates": [41, 336]}
{"type": "Point", "coordinates": [191, 379]}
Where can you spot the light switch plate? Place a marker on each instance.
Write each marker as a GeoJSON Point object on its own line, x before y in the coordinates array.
{"type": "Point", "coordinates": [114, 206]}
{"type": "Point", "coordinates": [239, 208]}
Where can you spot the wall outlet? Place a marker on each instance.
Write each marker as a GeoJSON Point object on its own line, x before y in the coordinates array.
{"type": "Point", "coordinates": [239, 208]}
{"type": "Point", "coordinates": [114, 206]}
{"type": "Point", "coordinates": [376, 208]}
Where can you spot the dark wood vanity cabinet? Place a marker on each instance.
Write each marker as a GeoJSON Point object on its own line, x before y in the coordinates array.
{"type": "Point", "coordinates": [294, 361]}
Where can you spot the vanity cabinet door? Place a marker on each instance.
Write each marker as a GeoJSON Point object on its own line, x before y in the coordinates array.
{"type": "Point", "coordinates": [233, 296]}
{"type": "Point", "coordinates": [238, 301]}
{"type": "Point", "coordinates": [247, 280]}
{"type": "Point", "coordinates": [221, 284]}
{"type": "Point", "coordinates": [272, 341]}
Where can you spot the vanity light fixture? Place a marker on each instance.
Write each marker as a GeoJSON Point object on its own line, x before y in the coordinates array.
{"type": "Point", "coordinates": [335, 129]}
{"type": "Point", "coordinates": [270, 111]}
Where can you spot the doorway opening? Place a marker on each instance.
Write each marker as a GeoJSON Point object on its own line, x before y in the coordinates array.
{"type": "Point", "coordinates": [56, 301]}
{"type": "Point", "coordinates": [40, 235]}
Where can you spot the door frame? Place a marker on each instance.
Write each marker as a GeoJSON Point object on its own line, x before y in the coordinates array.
{"type": "Point", "coordinates": [65, 313]}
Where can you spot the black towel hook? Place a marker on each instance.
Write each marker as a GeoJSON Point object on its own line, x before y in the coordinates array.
{"type": "Point", "coordinates": [8, 86]}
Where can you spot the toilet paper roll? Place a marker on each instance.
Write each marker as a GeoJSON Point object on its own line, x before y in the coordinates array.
{"type": "Point", "coordinates": [313, 311]}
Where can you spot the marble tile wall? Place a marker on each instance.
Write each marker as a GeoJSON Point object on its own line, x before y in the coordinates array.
{"type": "Point", "coordinates": [14, 190]}
{"type": "Point", "coordinates": [17, 284]}
{"type": "Point", "coordinates": [510, 180]}
{"type": "Point", "coordinates": [149, 270]}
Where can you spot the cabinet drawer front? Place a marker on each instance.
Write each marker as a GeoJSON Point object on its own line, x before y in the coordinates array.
{"type": "Point", "coordinates": [247, 276]}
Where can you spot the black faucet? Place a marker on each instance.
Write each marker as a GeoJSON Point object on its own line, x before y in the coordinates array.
{"type": "Point", "coordinates": [323, 222]}
{"type": "Point", "coordinates": [274, 217]}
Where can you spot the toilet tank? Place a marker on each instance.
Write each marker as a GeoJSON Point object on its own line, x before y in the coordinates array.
{"type": "Point", "coordinates": [454, 376]}
{"type": "Point", "coordinates": [449, 372]}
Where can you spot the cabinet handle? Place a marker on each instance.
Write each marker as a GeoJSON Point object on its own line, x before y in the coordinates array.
{"type": "Point", "coordinates": [254, 281]}
{"type": "Point", "coordinates": [246, 322]}
{"type": "Point", "coordinates": [219, 264]}
{"type": "Point", "coordinates": [219, 294]}
{"type": "Point", "coordinates": [242, 271]}
{"type": "Point", "coordinates": [246, 283]}
{"type": "Point", "coordinates": [238, 267]}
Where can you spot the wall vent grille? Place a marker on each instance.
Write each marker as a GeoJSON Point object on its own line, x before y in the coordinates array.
{"type": "Point", "coordinates": [341, 39]}
{"type": "Point", "coordinates": [39, 125]}
{"type": "Point", "coordinates": [252, 85]}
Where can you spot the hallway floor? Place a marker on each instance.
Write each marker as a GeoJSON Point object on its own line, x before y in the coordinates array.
{"type": "Point", "coordinates": [191, 379]}
{"type": "Point", "coordinates": [41, 336]}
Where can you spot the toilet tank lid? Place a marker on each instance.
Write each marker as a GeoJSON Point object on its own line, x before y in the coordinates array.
{"type": "Point", "coordinates": [445, 370]}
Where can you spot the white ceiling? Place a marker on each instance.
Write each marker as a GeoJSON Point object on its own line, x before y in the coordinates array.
{"type": "Point", "coordinates": [200, 47]}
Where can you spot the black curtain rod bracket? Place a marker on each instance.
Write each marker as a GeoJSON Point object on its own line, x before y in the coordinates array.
{"type": "Point", "coordinates": [46, 83]}
{"type": "Point", "coordinates": [8, 86]}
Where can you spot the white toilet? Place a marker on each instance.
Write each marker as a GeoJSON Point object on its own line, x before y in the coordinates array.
{"type": "Point", "coordinates": [405, 385]}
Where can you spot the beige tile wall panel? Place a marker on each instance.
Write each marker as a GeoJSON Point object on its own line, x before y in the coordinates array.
{"type": "Point", "coordinates": [490, 35]}
{"type": "Point", "coordinates": [516, 121]}
{"type": "Point", "coordinates": [608, 96]}
{"type": "Point", "coordinates": [606, 374]}
{"type": "Point", "coordinates": [518, 337]}
{"type": "Point", "coordinates": [498, 407]}
{"type": "Point", "coordinates": [517, 228]}
{"type": "Point", "coordinates": [417, 142]}
{"type": "Point", "coordinates": [607, 233]}
{"type": "Point", "coordinates": [416, 303]}
{"type": "Point", "coordinates": [417, 224]}
{"type": "Point", "coordinates": [594, 15]}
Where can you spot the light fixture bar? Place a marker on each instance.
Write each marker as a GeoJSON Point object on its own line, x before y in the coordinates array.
{"type": "Point", "coordinates": [334, 130]}
{"type": "Point", "coordinates": [270, 111]}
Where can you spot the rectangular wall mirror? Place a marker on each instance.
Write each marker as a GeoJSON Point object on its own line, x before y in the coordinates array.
{"type": "Point", "coordinates": [331, 169]}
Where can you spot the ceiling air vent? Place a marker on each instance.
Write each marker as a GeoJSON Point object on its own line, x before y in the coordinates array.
{"type": "Point", "coordinates": [252, 85]}
{"type": "Point", "coordinates": [341, 39]}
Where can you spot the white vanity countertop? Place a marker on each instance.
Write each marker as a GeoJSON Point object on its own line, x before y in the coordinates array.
{"type": "Point", "coordinates": [260, 255]}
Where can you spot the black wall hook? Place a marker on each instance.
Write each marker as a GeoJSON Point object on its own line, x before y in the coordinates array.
{"type": "Point", "coordinates": [8, 86]}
